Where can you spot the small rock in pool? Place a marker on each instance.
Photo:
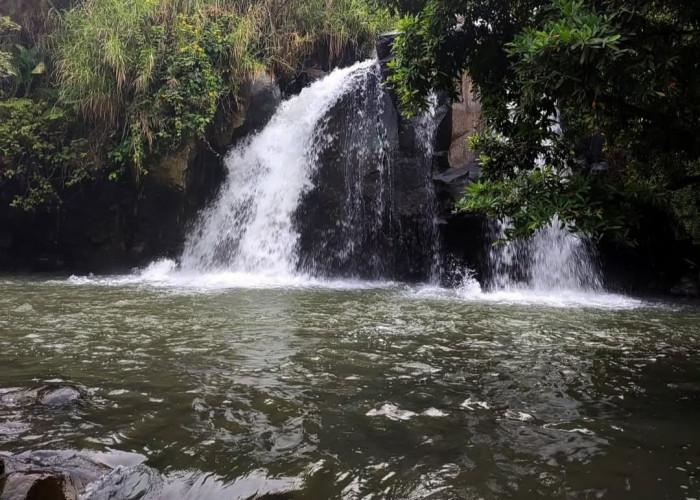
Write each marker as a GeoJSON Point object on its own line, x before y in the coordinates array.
{"type": "Point", "coordinates": [50, 395]}
{"type": "Point", "coordinates": [60, 395]}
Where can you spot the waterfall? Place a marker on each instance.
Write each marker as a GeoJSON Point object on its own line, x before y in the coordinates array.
{"type": "Point", "coordinates": [315, 192]}
{"type": "Point", "coordinates": [250, 228]}
{"type": "Point", "coordinates": [426, 126]}
{"type": "Point", "coordinates": [553, 260]}
{"type": "Point", "coordinates": [346, 220]}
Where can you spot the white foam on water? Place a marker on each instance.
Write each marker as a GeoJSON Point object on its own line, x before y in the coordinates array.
{"type": "Point", "coordinates": [472, 405]}
{"type": "Point", "coordinates": [167, 274]}
{"type": "Point", "coordinates": [520, 416]}
{"type": "Point", "coordinates": [392, 412]}
{"type": "Point", "coordinates": [471, 292]}
{"type": "Point", "coordinates": [434, 412]}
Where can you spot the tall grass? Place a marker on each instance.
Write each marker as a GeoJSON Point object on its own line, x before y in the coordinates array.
{"type": "Point", "coordinates": [133, 70]}
{"type": "Point", "coordinates": [106, 54]}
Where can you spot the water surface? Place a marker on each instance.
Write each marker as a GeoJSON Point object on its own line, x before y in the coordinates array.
{"type": "Point", "coordinates": [346, 390]}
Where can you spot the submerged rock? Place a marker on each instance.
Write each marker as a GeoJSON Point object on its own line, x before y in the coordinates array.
{"type": "Point", "coordinates": [51, 395]}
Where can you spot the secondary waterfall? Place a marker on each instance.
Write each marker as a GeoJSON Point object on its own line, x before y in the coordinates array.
{"type": "Point", "coordinates": [553, 260]}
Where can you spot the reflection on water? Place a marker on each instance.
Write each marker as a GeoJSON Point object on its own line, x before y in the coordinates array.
{"type": "Point", "coordinates": [343, 391]}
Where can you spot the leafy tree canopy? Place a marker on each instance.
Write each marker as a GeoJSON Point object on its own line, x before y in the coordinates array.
{"type": "Point", "coordinates": [591, 106]}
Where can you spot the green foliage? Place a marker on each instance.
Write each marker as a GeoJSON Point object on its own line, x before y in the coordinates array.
{"type": "Point", "coordinates": [686, 203]}
{"type": "Point", "coordinates": [146, 77]}
{"type": "Point", "coordinates": [588, 204]}
{"type": "Point", "coordinates": [30, 69]}
{"type": "Point", "coordinates": [21, 68]}
{"type": "Point", "coordinates": [623, 71]}
{"type": "Point", "coordinates": [8, 72]}
{"type": "Point", "coordinates": [156, 72]}
{"type": "Point", "coordinates": [39, 156]}
{"type": "Point", "coordinates": [441, 38]}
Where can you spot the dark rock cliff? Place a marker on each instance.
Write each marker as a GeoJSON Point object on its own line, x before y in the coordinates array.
{"type": "Point", "coordinates": [383, 202]}
{"type": "Point", "coordinates": [109, 227]}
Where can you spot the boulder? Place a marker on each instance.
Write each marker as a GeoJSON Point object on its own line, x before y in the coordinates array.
{"type": "Point", "coordinates": [262, 96]}
{"type": "Point", "coordinates": [371, 212]}
{"type": "Point", "coordinates": [37, 486]}
{"type": "Point", "coordinates": [339, 220]}
{"type": "Point", "coordinates": [47, 475]}
{"type": "Point", "coordinates": [451, 184]}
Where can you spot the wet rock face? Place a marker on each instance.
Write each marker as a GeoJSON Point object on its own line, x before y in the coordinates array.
{"type": "Point", "coordinates": [342, 220]}
{"type": "Point", "coordinates": [371, 212]}
{"type": "Point", "coordinates": [451, 184]}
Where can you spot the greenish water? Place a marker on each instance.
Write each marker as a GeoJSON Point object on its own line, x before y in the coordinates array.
{"type": "Point", "coordinates": [350, 391]}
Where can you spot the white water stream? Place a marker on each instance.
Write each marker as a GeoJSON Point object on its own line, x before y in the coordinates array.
{"type": "Point", "coordinates": [250, 228]}
{"type": "Point", "coordinates": [554, 260]}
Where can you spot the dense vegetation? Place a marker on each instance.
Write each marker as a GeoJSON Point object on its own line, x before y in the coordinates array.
{"type": "Point", "coordinates": [103, 88]}
{"type": "Point", "coordinates": [591, 106]}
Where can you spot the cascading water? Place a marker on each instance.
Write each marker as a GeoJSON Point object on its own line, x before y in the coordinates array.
{"type": "Point", "coordinates": [314, 192]}
{"type": "Point", "coordinates": [426, 128]}
{"type": "Point", "coordinates": [334, 186]}
{"type": "Point", "coordinates": [250, 226]}
{"type": "Point", "coordinates": [553, 260]}
{"type": "Point", "coordinates": [346, 220]}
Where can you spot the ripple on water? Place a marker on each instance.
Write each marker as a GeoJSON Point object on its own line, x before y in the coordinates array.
{"type": "Point", "coordinates": [395, 391]}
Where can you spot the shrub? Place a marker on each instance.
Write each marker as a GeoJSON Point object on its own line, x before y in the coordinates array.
{"type": "Point", "coordinates": [39, 154]}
